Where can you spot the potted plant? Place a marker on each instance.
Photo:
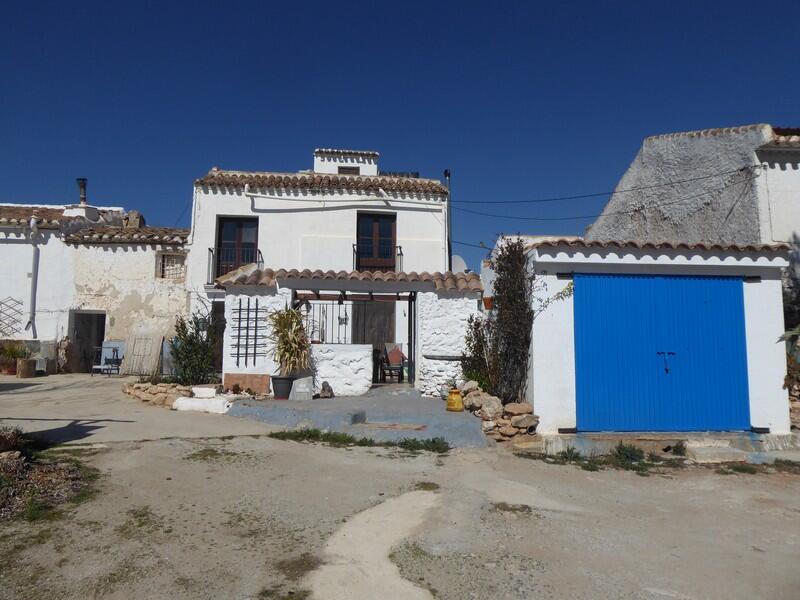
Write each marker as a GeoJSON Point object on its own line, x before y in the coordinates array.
{"type": "Point", "coordinates": [9, 354]}
{"type": "Point", "coordinates": [290, 349]}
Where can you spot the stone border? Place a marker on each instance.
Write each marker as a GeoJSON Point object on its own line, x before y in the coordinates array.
{"type": "Point", "coordinates": [157, 394]}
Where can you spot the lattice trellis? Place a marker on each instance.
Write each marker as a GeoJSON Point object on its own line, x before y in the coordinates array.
{"type": "Point", "coordinates": [11, 315]}
{"type": "Point", "coordinates": [249, 332]}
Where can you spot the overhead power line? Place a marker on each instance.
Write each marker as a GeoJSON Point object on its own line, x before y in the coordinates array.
{"type": "Point", "coordinates": [471, 245]}
{"type": "Point", "coordinates": [598, 194]}
{"type": "Point", "coordinates": [594, 216]}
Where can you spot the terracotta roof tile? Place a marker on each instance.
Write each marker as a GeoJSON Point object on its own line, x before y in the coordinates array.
{"type": "Point", "coordinates": [448, 281]}
{"type": "Point", "coordinates": [785, 137]}
{"type": "Point", "coordinates": [129, 235]}
{"type": "Point", "coordinates": [21, 215]}
{"type": "Point", "coordinates": [321, 181]}
{"type": "Point", "coordinates": [581, 243]}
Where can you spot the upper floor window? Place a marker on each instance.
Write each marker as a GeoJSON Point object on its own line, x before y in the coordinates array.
{"type": "Point", "coordinates": [237, 243]}
{"type": "Point", "coordinates": [171, 266]}
{"type": "Point", "coordinates": [349, 170]}
{"type": "Point", "coordinates": [376, 246]}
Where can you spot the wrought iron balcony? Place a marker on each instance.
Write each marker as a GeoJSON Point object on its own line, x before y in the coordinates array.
{"type": "Point", "coordinates": [383, 256]}
{"type": "Point", "coordinates": [226, 259]}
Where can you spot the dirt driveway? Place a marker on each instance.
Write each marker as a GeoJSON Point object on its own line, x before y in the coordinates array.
{"type": "Point", "coordinates": [254, 517]}
{"type": "Point", "coordinates": [84, 409]}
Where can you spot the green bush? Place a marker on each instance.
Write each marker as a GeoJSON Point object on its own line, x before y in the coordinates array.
{"type": "Point", "coordinates": [192, 349]}
{"type": "Point", "coordinates": [628, 453]}
{"type": "Point", "coordinates": [14, 350]}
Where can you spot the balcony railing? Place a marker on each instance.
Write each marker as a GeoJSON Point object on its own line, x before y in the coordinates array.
{"type": "Point", "coordinates": [381, 257]}
{"type": "Point", "coordinates": [225, 260]}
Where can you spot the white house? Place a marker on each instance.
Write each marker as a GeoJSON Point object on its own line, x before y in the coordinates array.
{"type": "Point", "coordinates": [343, 216]}
{"type": "Point", "coordinates": [77, 275]}
{"type": "Point", "coordinates": [658, 337]}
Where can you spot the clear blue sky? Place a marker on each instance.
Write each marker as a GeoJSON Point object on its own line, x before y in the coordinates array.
{"type": "Point", "coordinates": [518, 100]}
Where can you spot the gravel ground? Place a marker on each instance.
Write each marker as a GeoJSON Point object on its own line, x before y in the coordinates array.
{"type": "Point", "coordinates": [250, 516]}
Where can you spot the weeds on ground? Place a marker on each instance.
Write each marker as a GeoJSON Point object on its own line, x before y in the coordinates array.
{"type": "Point", "coordinates": [335, 438]}
{"type": "Point", "coordinates": [426, 486]}
{"type": "Point", "coordinates": [505, 507]}
{"type": "Point", "coordinates": [209, 454]}
{"type": "Point", "coordinates": [679, 449]}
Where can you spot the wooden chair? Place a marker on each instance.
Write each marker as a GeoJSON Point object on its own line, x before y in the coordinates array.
{"type": "Point", "coordinates": [392, 362]}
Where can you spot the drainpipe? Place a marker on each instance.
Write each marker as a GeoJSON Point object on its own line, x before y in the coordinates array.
{"type": "Point", "coordinates": [449, 222]}
{"type": "Point", "coordinates": [31, 325]}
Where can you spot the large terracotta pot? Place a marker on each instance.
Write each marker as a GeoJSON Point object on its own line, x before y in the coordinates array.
{"type": "Point", "coordinates": [26, 367]}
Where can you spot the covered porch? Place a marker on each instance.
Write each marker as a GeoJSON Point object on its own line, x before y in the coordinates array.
{"type": "Point", "coordinates": [366, 328]}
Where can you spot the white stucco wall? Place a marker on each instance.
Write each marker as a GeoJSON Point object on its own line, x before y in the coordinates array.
{"type": "Point", "coordinates": [766, 356]}
{"type": "Point", "coordinates": [441, 327]}
{"type": "Point", "coordinates": [120, 280]}
{"type": "Point", "coordinates": [551, 388]}
{"type": "Point", "coordinates": [346, 367]}
{"type": "Point", "coordinates": [54, 294]}
{"type": "Point", "coordinates": [329, 163]}
{"type": "Point", "coordinates": [780, 197]}
{"type": "Point", "coordinates": [269, 299]}
{"type": "Point", "coordinates": [303, 230]}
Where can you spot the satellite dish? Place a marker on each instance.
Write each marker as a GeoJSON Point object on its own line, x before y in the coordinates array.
{"type": "Point", "coordinates": [458, 263]}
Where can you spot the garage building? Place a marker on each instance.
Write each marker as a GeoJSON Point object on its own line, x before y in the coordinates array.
{"type": "Point", "coordinates": [658, 337]}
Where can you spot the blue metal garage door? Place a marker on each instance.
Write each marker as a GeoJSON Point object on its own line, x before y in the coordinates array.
{"type": "Point", "coordinates": [660, 353]}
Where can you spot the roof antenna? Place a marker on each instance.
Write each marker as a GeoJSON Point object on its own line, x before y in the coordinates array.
{"type": "Point", "coordinates": [82, 189]}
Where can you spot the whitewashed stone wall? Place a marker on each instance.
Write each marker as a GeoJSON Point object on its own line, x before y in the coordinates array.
{"type": "Point", "coordinates": [269, 299]}
{"type": "Point", "coordinates": [346, 367]}
{"type": "Point", "coordinates": [441, 327]}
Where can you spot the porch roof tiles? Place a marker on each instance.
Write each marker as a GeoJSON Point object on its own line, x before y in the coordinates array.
{"type": "Point", "coordinates": [573, 242]}
{"type": "Point", "coordinates": [448, 281]}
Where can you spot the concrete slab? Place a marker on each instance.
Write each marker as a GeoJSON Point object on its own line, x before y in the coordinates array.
{"type": "Point", "coordinates": [715, 454]}
{"type": "Point", "coordinates": [84, 409]}
{"type": "Point", "coordinates": [386, 413]}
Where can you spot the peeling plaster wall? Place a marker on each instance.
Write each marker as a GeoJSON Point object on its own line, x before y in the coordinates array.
{"type": "Point", "coordinates": [694, 211]}
{"type": "Point", "coordinates": [441, 327]}
{"type": "Point", "coordinates": [121, 280]}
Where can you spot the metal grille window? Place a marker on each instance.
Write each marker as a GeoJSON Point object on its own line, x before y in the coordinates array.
{"type": "Point", "coordinates": [172, 266]}
{"type": "Point", "coordinates": [248, 332]}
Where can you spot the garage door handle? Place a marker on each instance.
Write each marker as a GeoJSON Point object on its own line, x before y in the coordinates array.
{"type": "Point", "coordinates": [665, 355]}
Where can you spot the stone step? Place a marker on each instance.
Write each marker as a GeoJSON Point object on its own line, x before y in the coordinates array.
{"type": "Point", "coordinates": [715, 454]}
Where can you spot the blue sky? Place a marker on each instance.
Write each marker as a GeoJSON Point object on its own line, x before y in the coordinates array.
{"type": "Point", "coordinates": [519, 100]}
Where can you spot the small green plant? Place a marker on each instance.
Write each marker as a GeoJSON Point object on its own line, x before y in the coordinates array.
{"type": "Point", "coordinates": [679, 449]}
{"type": "Point", "coordinates": [743, 468]}
{"type": "Point", "coordinates": [12, 438]}
{"type": "Point", "coordinates": [37, 510]}
{"type": "Point", "coordinates": [193, 349]}
{"type": "Point", "coordinates": [591, 465]}
{"type": "Point", "coordinates": [290, 346]}
{"type": "Point", "coordinates": [14, 350]}
{"type": "Point", "coordinates": [628, 452]}
{"type": "Point", "coordinates": [570, 454]}
{"type": "Point", "coordinates": [335, 438]}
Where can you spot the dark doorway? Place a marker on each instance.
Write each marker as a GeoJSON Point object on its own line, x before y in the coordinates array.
{"type": "Point", "coordinates": [218, 322]}
{"type": "Point", "coordinates": [88, 332]}
{"type": "Point", "coordinates": [237, 244]}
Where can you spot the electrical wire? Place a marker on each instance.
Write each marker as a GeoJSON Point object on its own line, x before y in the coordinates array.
{"type": "Point", "coordinates": [479, 245]}
{"type": "Point", "coordinates": [602, 214]}
{"type": "Point", "coordinates": [598, 194]}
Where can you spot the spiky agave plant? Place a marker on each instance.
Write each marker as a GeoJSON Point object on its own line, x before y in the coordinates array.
{"type": "Point", "coordinates": [290, 346]}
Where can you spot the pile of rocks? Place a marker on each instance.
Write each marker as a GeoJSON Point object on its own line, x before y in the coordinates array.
{"type": "Point", "coordinates": [501, 423]}
{"type": "Point", "coordinates": [157, 394]}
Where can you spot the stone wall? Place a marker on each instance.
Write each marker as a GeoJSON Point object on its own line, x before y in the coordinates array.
{"type": "Point", "coordinates": [441, 327]}
{"type": "Point", "coordinates": [157, 394]}
{"type": "Point", "coordinates": [346, 367]}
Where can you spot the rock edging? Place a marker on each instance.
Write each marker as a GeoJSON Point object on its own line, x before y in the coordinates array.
{"type": "Point", "coordinates": [514, 421]}
{"type": "Point", "coordinates": [157, 394]}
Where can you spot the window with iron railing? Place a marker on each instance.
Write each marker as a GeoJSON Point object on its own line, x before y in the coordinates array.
{"type": "Point", "coordinates": [376, 248]}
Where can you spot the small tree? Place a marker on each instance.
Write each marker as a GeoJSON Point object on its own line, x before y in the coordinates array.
{"type": "Point", "coordinates": [192, 349]}
{"type": "Point", "coordinates": [498, 345]}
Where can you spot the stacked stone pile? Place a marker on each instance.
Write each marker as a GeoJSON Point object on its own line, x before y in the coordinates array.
{"type": "Point", "coordinates": [157, 394]}
{"type": "Point", "coordinates": [501, 423]}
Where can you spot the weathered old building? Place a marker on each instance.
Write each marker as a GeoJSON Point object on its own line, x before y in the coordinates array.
{"type": "Point", "coordinates": [77, 275]}
{"type": "Point", "coordinates": [734, 185]}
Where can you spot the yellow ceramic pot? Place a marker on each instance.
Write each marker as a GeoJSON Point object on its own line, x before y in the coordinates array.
{"type": "Point", "coordinates": [454, 401]}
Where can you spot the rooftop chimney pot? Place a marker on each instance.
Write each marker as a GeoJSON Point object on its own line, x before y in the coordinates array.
{"type": "Point", "coordinates": [82, 189]}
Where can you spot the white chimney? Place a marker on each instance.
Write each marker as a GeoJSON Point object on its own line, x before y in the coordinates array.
{"type": "Point", "coordinates": [345, 162]}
